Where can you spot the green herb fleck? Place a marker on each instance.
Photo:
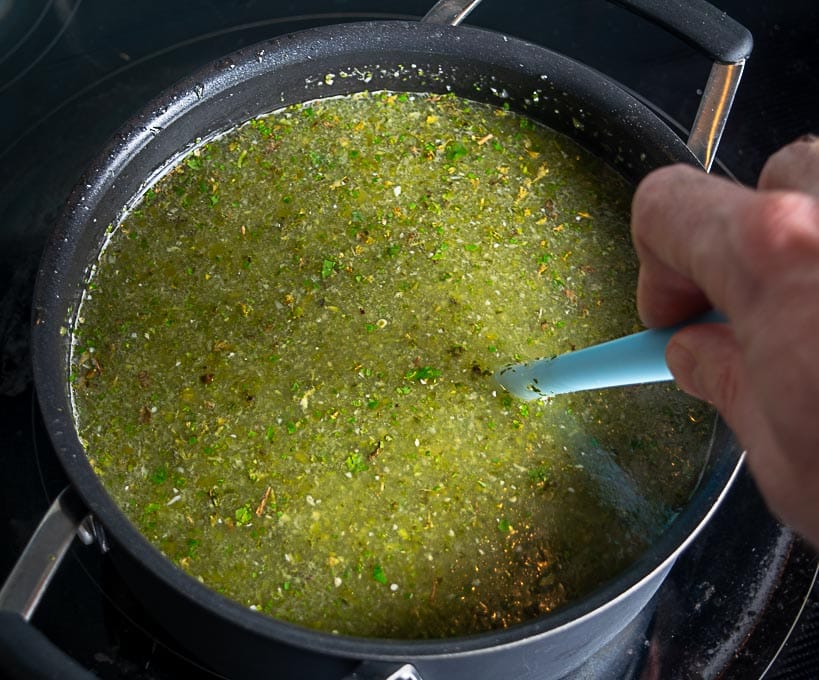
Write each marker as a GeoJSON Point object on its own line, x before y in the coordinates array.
{"type": "Point", "coordinates": [379, 575]}
{"type": "Point", "coordinates": [439, 252]}
{"type": "Point", "coordinates": [243, 515]}
{"type": "Point", "coordinates": [355, 463]}
{"type": "Point", "coordinates": [327, 268]}
{"type": "Point", "coordinates": [540, 474]}
{"type": "Point", "coordinates": [423, 373]}
{"type": "Point", "coordinates": [455, 150]}
{"type": "Point", "coordinates": [193, 544]}
{"type": "Point", "coordinates": [159, 475]}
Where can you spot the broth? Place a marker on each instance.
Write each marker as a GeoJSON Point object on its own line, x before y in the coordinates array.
{"type": "Point", "coordinates": [282, 369]}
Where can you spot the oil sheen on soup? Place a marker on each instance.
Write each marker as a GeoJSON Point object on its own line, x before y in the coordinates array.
{"type": "Point", "coordinates": [282, 369]}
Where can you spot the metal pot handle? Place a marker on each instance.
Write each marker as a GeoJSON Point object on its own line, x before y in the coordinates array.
{"type": "Point", "coordinates": [704, 27]}
{"type": "Point", "coordinates": [27, 654]}
{"type": "Point", "coordinates": [24, 651]}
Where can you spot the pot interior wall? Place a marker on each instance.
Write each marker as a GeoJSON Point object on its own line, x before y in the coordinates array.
{"type": "Point", "coordinates": [472, 63]}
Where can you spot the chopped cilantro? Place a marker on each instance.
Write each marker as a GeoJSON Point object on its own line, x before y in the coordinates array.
{"type": "Point", "coordinates": [327, 268]}
{"type": "Point", "coordinates": [244, 514]}
{"type": "Point", "coordinates": [379, 575]}
{"type": "Point", "coordinates": [423, 373]}
{"type": "Point", "coordinates": [159, 475]}
{"type": "Point", "coordinates": [356, 463]}
{"type": "Point", "coordinates": [455, 150]}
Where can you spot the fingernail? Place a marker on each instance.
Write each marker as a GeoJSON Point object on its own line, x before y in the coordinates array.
{"type": "Point", "coordinates": [683, 366]}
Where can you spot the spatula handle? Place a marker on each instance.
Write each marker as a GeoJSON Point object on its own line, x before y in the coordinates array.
{"type": "Point", "coordinates": [630, 360]}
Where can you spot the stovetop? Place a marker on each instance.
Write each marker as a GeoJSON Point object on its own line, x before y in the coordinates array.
{"type": "Point", "coordinates": [740, 603]}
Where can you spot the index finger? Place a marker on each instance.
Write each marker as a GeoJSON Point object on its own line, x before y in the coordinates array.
{"type": "Point", "coordinates": [685, 227]}
{"type": "Point", "coordinates": [794, 167]}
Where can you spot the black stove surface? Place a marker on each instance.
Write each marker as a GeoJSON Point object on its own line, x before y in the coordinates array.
{"type": "Point", "coordinates": [740, 603]}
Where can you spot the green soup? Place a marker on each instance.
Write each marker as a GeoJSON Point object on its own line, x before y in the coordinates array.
{"type": "Point", "coordinates": [282, 369]}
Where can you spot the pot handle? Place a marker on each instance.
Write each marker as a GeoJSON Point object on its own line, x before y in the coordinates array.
{"type": "Point", "coordinates": [704, 27]}
{"type": "Point", "coordinates": [726, 42]}
{"type": "Point", "coordinates": [24, 651]}
{"type": "Point", "coordinates": [27, 654]}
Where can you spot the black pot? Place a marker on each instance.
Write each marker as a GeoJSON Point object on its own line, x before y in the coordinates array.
{"type": "Point", "coordinates": [403, 56]}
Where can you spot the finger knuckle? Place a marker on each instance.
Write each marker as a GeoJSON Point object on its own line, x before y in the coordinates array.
{"type": "Point", "coordinates": [645, 196]}
{"type": "Point", "coordinates": [652, 195]}
{"type": "Point", "coordinates": [782, 168]}
{"type": "Point", "coordinates": [723, 387]}
{"type": "Point", "coordinates": [782, 229]}
{"type": "Point", "coordinates": [777, 164]}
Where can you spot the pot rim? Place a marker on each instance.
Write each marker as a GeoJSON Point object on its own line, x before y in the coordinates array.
{"type": "Point", "coordinates": [53, 309]}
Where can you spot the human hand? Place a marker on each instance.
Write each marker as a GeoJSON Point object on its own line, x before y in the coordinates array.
{"type": "Point", "coordinates": [703, 242]}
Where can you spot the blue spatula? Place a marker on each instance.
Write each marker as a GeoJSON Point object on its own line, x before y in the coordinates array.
{"type": "Point", "coordinates": [630, 360]}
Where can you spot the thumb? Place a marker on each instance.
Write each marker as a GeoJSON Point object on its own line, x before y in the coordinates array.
{"type": "Point", "coordinates": [706, 362]}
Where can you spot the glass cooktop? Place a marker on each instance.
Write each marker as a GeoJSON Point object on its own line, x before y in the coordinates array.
{"type": "Point", "coordinates": [739, 602]}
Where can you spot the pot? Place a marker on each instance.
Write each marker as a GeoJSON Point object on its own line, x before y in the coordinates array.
{"type": "Point", "coordinates": [405, 56]}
